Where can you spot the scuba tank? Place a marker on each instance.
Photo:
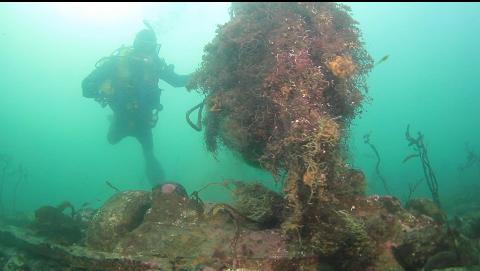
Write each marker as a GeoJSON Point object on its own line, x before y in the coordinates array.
{"type": "Point", "coordinates": [106, 89]}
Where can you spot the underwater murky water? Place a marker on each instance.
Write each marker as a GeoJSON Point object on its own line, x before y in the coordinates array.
{"type": "Point", "coordinates": [53, 141]}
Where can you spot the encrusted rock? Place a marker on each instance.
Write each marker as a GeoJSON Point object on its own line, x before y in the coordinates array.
{"type": "Point", "coordinates": [58, 227]}
{"type": "Point", "coordinates": [121, 214]}
{"type": "Point", "coordinates": [171, 241]}
{"type": "Point", "coordinates": [422, 206]}
{"type": "Point", "coordinates": [170, 208]}
{"type": "Point", "coordinates": [258, 203]}
{"type": "Point", "coordinates": [419, 245]}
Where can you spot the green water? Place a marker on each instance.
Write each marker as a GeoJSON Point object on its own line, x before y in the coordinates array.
{"type": "Point", "coordinates": [430, 81]}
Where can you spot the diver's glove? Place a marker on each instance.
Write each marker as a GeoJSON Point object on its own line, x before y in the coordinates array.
{"type": "Point", "coordinates": [154, 120]}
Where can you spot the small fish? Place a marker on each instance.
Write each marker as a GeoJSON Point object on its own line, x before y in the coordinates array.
{"type": "Point", "coordinates": [111, 186]}
{"type": "Point", "coordinates": [383, 59]}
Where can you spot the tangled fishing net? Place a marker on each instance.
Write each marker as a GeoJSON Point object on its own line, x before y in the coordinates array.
{"type": "Point", "coordinates": [282, 83]}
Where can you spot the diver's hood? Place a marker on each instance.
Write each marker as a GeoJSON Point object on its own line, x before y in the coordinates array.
{"type": "Point", "coordinates": [146, 40]}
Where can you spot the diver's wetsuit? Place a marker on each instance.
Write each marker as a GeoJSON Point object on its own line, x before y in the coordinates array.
{"type": "Point", "coordinates": [128, 83]}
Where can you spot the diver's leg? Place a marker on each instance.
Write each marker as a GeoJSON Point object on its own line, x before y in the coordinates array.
{"type": "Point", "coordinates": [154, 171]}
{"type": "Point", "coordinates": [117, 131]}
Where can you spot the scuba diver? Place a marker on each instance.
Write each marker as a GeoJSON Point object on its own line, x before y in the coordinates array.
{"type": "Point", "coordinates": [127, 81]}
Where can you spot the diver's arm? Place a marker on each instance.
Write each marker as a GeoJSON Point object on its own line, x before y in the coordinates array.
{"type": "Point", "coordinates": [91, 84]}
{"type": "Point", "coordinates": [168, 75]}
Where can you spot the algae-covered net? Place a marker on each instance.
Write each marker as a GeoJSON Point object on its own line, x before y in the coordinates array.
{"type": "Point", "coordinates": [283, 81]}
